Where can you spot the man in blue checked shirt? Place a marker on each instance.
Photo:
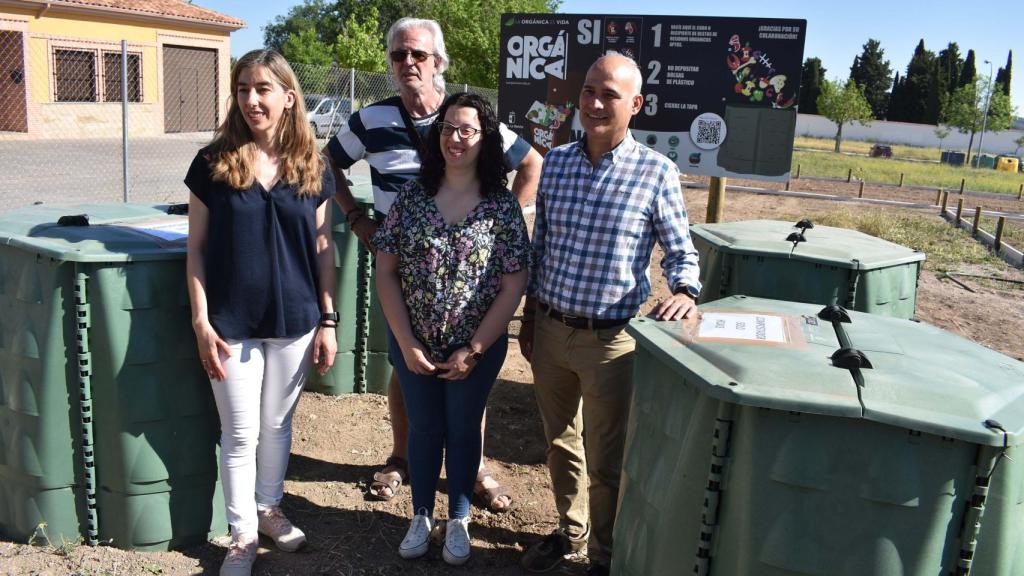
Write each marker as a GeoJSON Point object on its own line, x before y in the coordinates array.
{"type": "Point", "coordinates": [601, 204]}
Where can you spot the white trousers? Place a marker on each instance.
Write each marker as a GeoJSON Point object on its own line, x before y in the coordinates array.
{"type": "Point", "coordinates": [256, 403]}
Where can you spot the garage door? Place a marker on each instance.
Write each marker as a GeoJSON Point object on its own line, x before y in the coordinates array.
{"type": "Point", "coordinates": [190, 89]}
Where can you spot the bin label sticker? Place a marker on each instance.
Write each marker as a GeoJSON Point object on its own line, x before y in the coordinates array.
{"type": "Point", "coordinates": [169, 230]}
{"type": "Point", "coordinates": [763, 328]}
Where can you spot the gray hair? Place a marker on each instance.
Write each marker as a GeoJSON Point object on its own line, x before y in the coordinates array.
{"type": "Point", "coordinates": [634, 69]}
{"type": "Point", "coordinates": [434, 28]}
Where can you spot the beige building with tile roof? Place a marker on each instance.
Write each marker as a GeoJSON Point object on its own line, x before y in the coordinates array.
{"type": "Point", "coordinates": [61, 67]}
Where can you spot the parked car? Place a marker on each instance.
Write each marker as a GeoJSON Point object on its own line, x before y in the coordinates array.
{"type": "Point", "coordinates": [327, 113]}
{"type": "Point", "coordinates": [881, 151]}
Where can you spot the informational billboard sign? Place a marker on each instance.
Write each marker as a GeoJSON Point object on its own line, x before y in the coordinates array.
{"type": "Point", "coordinates": [720, 94]}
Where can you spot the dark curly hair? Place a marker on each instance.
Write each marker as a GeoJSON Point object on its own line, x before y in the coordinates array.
{"type": "Point", "coordinates": [491, 166]}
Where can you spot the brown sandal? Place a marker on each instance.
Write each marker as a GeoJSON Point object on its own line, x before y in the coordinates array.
{"type": "Point", "coordinates": [389, 479]}
{"type": "Point", "coordinates": [487, 497]}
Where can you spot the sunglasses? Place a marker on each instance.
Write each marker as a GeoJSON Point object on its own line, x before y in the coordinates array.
{"type": "Point", "coordinates": [465, 132]}
{"type": "Point", "coordinates": [417, 55]}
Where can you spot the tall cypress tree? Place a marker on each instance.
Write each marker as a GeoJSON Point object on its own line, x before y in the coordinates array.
{"type": "Point", "coordinates": [896, 108]}
{"type": "Point", "coordinates": [968, 73]}
{"type": "Point", "coordinates": [811, 76]}
{"type": "Point", "coordinates": [950, 65]}
{"type": "Point", "coordinates": [1003, 75]}
{"type": "Point", "coordinates": [871, 71]}
{"type": "Point", "coordinates": [919, 87]}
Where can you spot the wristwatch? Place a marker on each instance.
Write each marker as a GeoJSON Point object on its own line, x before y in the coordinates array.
{"type": "Point", "coordinates": [330, 317]}
{"type": "Point", "coordinates": [475, 355]}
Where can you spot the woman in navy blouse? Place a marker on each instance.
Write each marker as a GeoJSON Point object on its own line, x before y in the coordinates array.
{"type": "Point", "coordinates": [260, 278]}
{"type": "Point", "coordinates": [452, 260]}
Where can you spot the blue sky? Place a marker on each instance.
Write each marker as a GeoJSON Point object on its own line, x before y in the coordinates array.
{"type": "Point", "coordinates": [836, 31]}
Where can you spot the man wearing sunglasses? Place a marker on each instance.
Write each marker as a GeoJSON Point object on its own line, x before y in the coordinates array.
{"type": "Point", "coordinates": [389, 135]}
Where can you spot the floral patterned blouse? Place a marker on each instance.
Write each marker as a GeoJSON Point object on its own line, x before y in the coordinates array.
{"type": "Point", "coordinates": [451, 274]}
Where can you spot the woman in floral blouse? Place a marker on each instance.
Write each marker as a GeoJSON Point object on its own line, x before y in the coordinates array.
{"type": "Point", "coordinates": [452, 260]}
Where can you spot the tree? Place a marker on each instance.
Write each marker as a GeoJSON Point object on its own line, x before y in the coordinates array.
{"type": "Point", "coordinates": [949, 66]}
{"type": "Point", "coordinates": [843, 103]}
{"type": "Point", "coordinates": [811, 75]}
{"type": "Point", "coordinates": [1003, 74]}
{"type": "Point", "coordinates": [965, 109]}
{"type": "Point", "coordinates": [306, 48]}
{"type": "Point", "coordinates": [941, 132]}
{"type": "Point", "coordinates": [871, 71]}
{"type": "Point", "coordinates": [968, 73]}
{"type": "Point", "coordinates": [362, 45]}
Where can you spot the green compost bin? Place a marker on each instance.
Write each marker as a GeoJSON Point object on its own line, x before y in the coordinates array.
{"type": "Point", "coordinates": [754, 448]}
{"type": "Point", "coordinates": [360, 364]}
{"type": "Point", "coordinates": [817, 265]}
{"type": "Point", "coordinates": [108, 429]}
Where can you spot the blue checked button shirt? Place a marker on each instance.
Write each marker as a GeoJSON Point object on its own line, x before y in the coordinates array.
{"type": "Point", "coordinates": [596, 226]}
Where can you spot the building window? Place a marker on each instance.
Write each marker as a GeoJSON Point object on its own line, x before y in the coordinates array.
{"type": "Point", "coordinates": [75, 75]}
{"type": "Point", "coordinates": [112, 77]}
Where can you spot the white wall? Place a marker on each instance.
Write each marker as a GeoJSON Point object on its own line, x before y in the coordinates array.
{"type": "Point", "coordinates": [904, 133]}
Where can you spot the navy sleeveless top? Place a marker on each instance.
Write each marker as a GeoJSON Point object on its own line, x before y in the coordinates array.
{"type": "Point", "coordinates": [261, 265]}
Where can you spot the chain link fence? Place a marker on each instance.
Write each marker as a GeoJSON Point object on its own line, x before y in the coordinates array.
{"type": "Point", "coordinates": [96, 122]}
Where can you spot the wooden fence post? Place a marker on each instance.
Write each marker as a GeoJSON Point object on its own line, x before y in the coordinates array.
{"type": "Point", "coordinates": [716, 200]}
{"type": "Point", "coordinates": [977, 219]}
{"type": "Point", "coordinates": [999, 234]}
{"type": "Point", "coordinates": [860, 193]}
{"type": "Point", "coordinates": [901, 179]}
{"type": "Point", "coordinates": [1020, 192]}
{"type": "Point", "coordinates": [963, 182]}
{"type": "Point", "coordinates": [945, 200]}
{"type": "Point", "coordinates": [787, 185]}
{"type": "Point", "coordinates": [938, 197]}
{"type": "Point", "coordinates": [849, 175]}
{"type": "Point", "coordinates": [797, 172]}
{"type": "Point", "coordinates": [959, 211]}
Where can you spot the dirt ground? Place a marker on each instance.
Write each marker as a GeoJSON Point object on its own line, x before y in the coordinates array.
{"type": "Point", "coordinates": [340, 441]}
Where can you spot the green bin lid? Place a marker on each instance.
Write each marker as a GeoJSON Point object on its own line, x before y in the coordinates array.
{"type": "Point", "coordinates": [362, 189]}
{"type": "Point", "coordinates": [115, 232]}
{"type": "Point", "coordinates": [921, 378]}
{"type": "Point", "coordinates": [840, 247]}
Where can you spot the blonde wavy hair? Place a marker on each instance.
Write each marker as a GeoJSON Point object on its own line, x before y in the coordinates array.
{"type": "Point", "coordinates": [232, 154]}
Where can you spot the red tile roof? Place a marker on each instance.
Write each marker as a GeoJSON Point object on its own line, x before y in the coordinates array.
{"type": "Point", "coordinates": [176, 9]}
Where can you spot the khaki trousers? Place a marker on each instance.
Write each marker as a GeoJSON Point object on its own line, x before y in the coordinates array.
{"type": "Point", "coordinates": [583, 380]}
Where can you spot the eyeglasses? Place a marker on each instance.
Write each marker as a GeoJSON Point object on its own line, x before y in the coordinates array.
{"type": "Point", "coordinates": [417, 55]}
{"type": "Point", "coordinates": [465, 132]}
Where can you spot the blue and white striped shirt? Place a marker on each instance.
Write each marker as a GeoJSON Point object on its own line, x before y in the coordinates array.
{"type": "Point", "coordinates": [378, 134]}
{"type": "Point", "coordinates": [596, 225]}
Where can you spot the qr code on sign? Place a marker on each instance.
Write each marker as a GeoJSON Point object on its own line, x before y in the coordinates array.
{"type": "Point", "coordinates": [709, 131]}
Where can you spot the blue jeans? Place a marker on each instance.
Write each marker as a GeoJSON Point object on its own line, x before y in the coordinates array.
{"type": "Point", "coordinates": [444, 422]}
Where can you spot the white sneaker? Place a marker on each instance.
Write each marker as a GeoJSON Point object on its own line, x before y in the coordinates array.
{"type": "Point", "coordinates": [456, 542]}
{"type": "Point", "coordinates": [240, 557]}
{"type": "Point", "coordinates": [273, 523]}
{"type": "Point", "coordinates": [417, 539]}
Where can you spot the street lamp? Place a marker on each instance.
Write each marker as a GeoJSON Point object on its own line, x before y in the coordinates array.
{"type": "Point", "coordinates": [984, 119]}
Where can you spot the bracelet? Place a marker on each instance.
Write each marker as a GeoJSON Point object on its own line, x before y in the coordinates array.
{"type": "Point", "coordinates": [358, 212]}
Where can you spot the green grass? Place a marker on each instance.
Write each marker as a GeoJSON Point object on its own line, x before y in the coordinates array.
{"type": "Point", "coordinates": [859, 147]}
{"type": "Point", "coordinates": [887, 171]}
{"type": "Point", "coordinates": [1013, 232]}
{"type": "Point", "coordinates": [946, 247]}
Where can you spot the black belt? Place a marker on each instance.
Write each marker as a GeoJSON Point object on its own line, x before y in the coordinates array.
{"type": "Point", "coordinates": [581, 322]}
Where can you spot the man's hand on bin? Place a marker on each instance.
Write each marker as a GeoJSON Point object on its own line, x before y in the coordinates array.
{"type": "Point", "coordinates": [676, 307]}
